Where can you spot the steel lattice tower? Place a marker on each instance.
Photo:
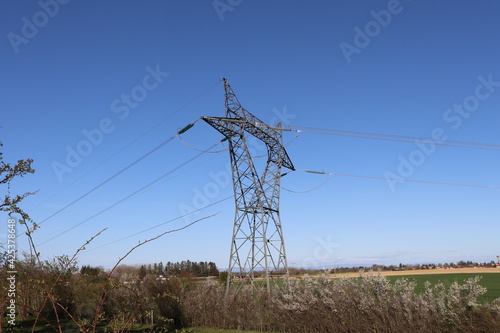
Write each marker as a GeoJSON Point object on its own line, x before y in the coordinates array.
{"type": "Point", "coordinates": [257, 246]}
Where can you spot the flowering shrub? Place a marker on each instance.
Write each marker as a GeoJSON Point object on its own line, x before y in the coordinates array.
{"type": "Point", "coordinates": [368, 304]}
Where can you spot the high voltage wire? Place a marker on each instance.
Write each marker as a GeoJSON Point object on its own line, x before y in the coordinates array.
{"type": "Point", "coordinates": [378, 136]}
{"type": "Point", "coordinates": [307, 171]}
{"type": "Point", "coordinates": [159, 225]}
{"type": "Point", "coordinates": [399, 140]}
{"type": "Point", "coordinates": [127, 197]}
{"type": "Point", "coordinates": [204, 151]}
{"type": "Point", "coordinates": [299, 129]}
{"type": "Point", "coordinates": [130, 143]}
{"type": "Point", "coordinates": [396, 136]}
{"type": "Point", "coordinates": [396, 179]}
{"type": "Point", "coordinates": [197, 149]}
{"type": "Point", "coordinates": [110, 178]}
{"type": "Point", "coordinates": [119, 172]}
{"type": "Point", "coordinates": [310, 190]}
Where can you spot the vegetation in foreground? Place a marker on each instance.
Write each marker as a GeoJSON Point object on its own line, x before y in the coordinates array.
{"type": "Point", "coordinates": [369, 304]}
{"type": "Point", "coordinates": [372, 303]}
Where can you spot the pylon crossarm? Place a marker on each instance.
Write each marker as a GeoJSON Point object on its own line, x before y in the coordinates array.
{"type": "Point", "coordinates": [259, 130]}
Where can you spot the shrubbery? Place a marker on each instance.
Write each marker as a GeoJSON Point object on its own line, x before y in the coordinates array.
{"type": "Point", "coordinates": [368, 304]}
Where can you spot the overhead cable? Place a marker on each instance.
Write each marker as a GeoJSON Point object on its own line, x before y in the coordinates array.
{"type": "Point", "coordinates": [398, 179]}
{"type": "Point", "coordinates": [131, 142]}
{"type": "Point", "coordinates": [117, 173]}
{"type": "Point", "coordinates": [127, 197]}
{"type": "Point", "coordinates": [159, 225]}
{"type": "Point", "coordinates": [377, 136]}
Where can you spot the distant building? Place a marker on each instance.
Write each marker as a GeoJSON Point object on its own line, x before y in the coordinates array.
{"type": "Point", "coordinates": [161, 278]}
{"type": "Point", "coordinates": [498, 258]}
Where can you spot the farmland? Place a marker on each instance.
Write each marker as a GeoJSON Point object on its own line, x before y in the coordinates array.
{"type": "Point", "coordinates": [490, 278]}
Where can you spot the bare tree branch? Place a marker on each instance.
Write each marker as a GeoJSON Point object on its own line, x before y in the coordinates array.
{"type": "Point", "coordinates": [105, 292]}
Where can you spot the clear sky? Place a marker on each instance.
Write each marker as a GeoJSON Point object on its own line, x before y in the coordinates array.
{"type": "Point", "coordinates": [88, 87]}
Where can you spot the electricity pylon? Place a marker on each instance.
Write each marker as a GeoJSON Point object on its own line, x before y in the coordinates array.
{"type": "Point", "coordinates": [257, 246]}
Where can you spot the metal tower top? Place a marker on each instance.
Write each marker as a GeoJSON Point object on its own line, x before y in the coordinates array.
{"type": "Point", "coordinates": [237, 114]}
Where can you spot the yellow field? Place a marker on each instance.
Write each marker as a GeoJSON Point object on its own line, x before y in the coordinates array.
{"type": "Point", "coordinates": [426, 271]}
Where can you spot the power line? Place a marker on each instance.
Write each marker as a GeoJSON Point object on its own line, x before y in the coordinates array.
{"type": "Point", "coordinates": [130, 143]}
{"type": "Point", "coordinates": [403, 140]}
{"type": "Point", "coordinates": [310, 190]}
{"type": "Point", "coordinates": [184, 171]}
{"type": "Point", "coordinates": [127, 197]}
{"type": "Point", "coordinates": [378, 136]}
{"type": "Point", "coordinates": [398, 179]}
{"type": "Point", "coordinates": [121, 171]}
{"type": "Point", "coordinates": [158, 225]}
{"type": "Point", "coordinates": [396, 136]}
{"type": "Point", "coordinates": [197, 149]}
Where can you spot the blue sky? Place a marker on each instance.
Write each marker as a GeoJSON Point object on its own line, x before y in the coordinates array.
{"type": "Point", "coordinates": [129, 74]}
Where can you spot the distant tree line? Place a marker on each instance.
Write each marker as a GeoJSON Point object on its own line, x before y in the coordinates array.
{"type": "Point", "coordinates": [400, 267]}
{"type": "Point", "coordinates": [185, 268]}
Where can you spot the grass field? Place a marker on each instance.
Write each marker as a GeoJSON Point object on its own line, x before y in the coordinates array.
{"type": "Point", "coordinates": [489, 280]}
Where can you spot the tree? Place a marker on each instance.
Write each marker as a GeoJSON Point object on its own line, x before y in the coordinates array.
{"type": "Point", "coordinates": [160, 268]}
{"type": "Point", "coordinates": [142, 272]}
{"type": "Point", "coordinates": [212, 269]}
{"type": "Point", "coordinates": [10, 203]}
{"type": "Point", "coordinates": [223, 277]}
{"type": "Point", "coordinates": [91, 271]}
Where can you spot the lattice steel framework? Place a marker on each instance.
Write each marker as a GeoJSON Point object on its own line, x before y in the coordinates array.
{"type": "Point", "coordinates": [257, 246]}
